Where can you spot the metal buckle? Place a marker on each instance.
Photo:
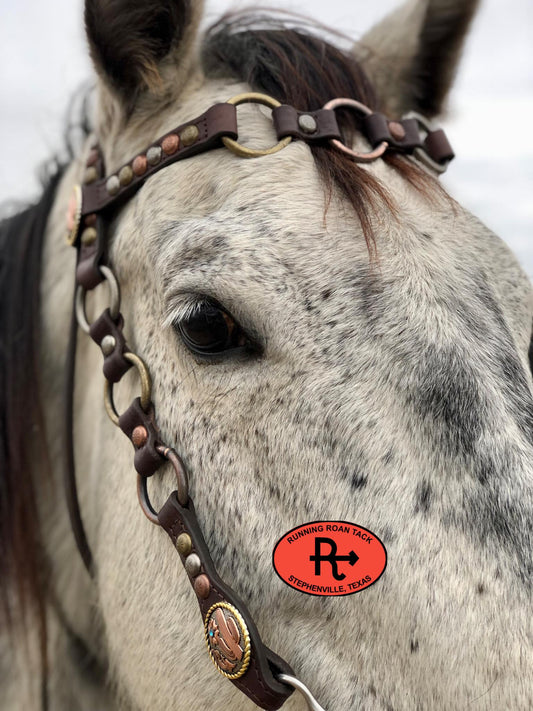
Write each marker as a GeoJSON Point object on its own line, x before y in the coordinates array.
{"type": "Point", "coordinates": [243, 151]}
{"type": "Point", "coordinates": [359, 157]}
{"type": "Point", "coordinates": [146, 387]}
{"type": "Point", "coordinates": [312, 703]}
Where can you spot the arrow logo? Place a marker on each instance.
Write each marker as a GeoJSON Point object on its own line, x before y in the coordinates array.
{"type": "Point", "coordinates": [332, 558]}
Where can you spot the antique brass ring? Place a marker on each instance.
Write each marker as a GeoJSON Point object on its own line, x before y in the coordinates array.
{"type": "Point", "coordinates": [114, 298]}
{"type": "Point", "coordinates": [359, 157]}
{"type": "Point", "coordinates": [146, 388]}
{"type": "Point", "coordinates": [236, 147]}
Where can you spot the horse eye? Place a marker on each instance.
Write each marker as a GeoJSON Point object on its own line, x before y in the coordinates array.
{"type": "Point", "coordinates": [209, 330]}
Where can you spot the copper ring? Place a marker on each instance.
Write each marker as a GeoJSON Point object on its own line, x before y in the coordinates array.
{"type": "Point", "coordinates": [114, 298]}
{"type": "Point", "coordinates": [146, 388]}
{"type": "Point", "coordinates": [144, 500]}
{"type": "Point", "coordinates": [253, 97]}
{"type": "Point", "coordinates": [359, 157]}
{"type": "Point", "coordinates": [179, 469]}
{"type": "Point", "coordinates": [181, 477]}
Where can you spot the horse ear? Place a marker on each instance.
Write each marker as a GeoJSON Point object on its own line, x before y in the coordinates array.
{"type": "Point", "coordinates": [131, 40]}
{"type": "Point", "coordinates": [412, 55]}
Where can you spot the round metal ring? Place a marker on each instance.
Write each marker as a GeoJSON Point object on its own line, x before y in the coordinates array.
{"type": "Point", "coordinates": [114, 298]}
{"type": "Point", "coordinates": [144, 500]}
{"type": "Point", "coordinates": [242, 151]}
{"type": "Point", "coordinates": [312, 703]}
{"type": "Point", "coordinates": [419, 153]}
{"type": "Point", "coordinates": [180, 471]}
{"type": "Point", "coordinates": [359, 157]}
{"type": "Point", "coordinates": [146, 388]}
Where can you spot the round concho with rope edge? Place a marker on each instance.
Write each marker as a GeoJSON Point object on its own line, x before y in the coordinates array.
{"type": "Point", "coordinates": [227, 639]}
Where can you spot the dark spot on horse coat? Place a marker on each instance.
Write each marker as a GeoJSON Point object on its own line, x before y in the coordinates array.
{"type": "Point", "coordinates": [445, 391]}
{"type": "Point", "coordinates": [423, 497]}
{"type": "Point", "coordinates": [358, 481]}
{"type": "Point", "coordinates": [413, 645]}
{"type": "Point", "coordinates": [480, 589]}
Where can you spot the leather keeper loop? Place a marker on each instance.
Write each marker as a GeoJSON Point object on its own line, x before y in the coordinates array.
{"type": "Point", "coordinates": [147, 459]}
{"type": "Point", "coordinates": [438, 147]}
{"type": "Point", "coordinates": [91, 256]}
{"type": "Point", "coordinates": [115, 365]}
{"type": "Point", "coordinates": [286, 123]}
{"type": "Point", "coordinates": [258, 682]}
{"type": "Point", "coordinates": [376, 128]}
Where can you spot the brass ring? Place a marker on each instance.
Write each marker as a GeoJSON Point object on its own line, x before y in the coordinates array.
{"type": "Point", "coordinates": [114, 294]}
{"type": "Point", "coordinates": [146, 388]}
{"type": "Point", "coordinates": [359, 157]}
{"type": "Point", "coordinates": [242, 151]}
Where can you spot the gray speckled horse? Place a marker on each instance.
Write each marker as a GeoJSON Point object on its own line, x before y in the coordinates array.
{"type": "Point", "coordinates": [380, 376]}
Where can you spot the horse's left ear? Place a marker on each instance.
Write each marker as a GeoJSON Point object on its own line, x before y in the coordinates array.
{"type": "Point", "coordinates": [412, 55]}
{"type": "Point", "coordinates": [131, 41]}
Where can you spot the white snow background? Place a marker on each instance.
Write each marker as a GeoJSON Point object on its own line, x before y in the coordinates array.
{"type": "Point", "coordinates": [43, 60]}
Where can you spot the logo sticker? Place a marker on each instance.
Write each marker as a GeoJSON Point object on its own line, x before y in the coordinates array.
{"type": "Point", "coordinates": [329, 558]}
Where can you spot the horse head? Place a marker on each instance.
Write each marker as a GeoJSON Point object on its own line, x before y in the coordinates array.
{"type": "Point", "coordinates": [325, 339]}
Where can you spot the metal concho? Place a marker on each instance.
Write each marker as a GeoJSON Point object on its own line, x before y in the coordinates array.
{"type": "Point", "coordinates": [242, 151]}
{"type": "Point", "coordinates": [228, 640]}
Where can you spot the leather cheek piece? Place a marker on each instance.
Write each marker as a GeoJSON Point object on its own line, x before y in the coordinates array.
{"type": "Point", "coordinates": [258, 682]}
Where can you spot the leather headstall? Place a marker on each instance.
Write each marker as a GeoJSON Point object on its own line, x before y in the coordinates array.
{"type": "Point", "coordinates": [232, 639]}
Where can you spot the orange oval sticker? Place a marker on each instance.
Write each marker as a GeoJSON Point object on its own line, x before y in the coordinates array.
{"type": "Point", "coordinates": [329, 558]}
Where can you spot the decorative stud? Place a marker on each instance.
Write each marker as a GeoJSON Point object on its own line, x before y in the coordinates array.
{"type": "Point", "coordinates": [88, 236]}
{"type": "Point", "coordinates": [153, 155]}
{"type": "Point", "coordinates": [139, 165]}
{"type": "Point", "coordinates": [170, 144]}
{"type": "Point", "coordinates": [227, 639]}
{"type": "Point", "coordinates": [139, 436]}
{"type": "Point", "coordinates": [202, 586]}
{"type": "Point", "coordinates": [397, 131]}
{"type": "Point", "coordinates": [91, 174]}
{"type": "Point", "coordinates": [113, 185]}
{"type": "Point", "coordinates": [90, 220]}
{"type": "Point", "coordinates": [184, 544]}
{"type": "Point", "coordinates": [74, 215]}
{"type": "Point", "coordinates": [307, 123]}
{"type": "Point", "coordinates": [125, 175]}
{"type": "Point", "coordinates": [189, 135]}
{"type": "Point", "coordinates": [193, 565]}
{"type": "Point", "coordinates": [108, 345]}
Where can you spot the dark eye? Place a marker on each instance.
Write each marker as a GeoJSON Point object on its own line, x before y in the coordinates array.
{"type": "Point", "coordinates": [210, 330]}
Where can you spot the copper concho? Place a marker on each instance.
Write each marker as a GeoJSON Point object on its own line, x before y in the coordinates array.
{"type": "Point", "coordinates": [227, 640]}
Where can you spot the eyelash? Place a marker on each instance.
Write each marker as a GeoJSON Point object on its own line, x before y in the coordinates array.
{"type": "Point", "coordinates": [210, 332]}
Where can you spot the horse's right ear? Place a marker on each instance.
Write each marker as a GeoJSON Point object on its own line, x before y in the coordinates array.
{"type": "Point", "coordinates": [131, 40]}
{"type": "Point", "coordinates": [412, 55]}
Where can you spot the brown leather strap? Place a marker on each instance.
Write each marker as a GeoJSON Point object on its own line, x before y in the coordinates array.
{"type": "Point", "coordinates": [309, 126]}
{"type": "Point", "coordinates": [259, 681]}
{"type": "Point", "coordinates": [194, 137]}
